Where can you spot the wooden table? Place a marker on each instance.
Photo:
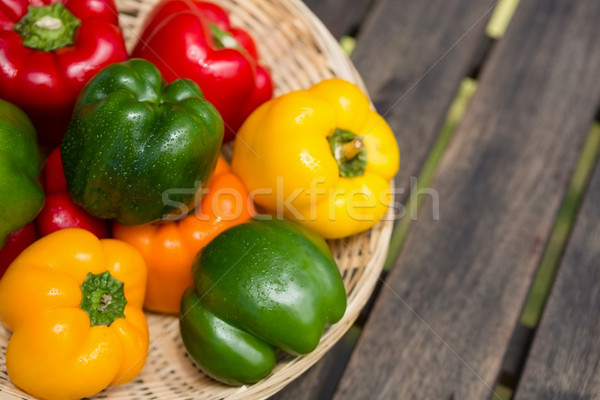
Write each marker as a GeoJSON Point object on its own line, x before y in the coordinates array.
{"type": "Point", "coordinates": [445, 322]}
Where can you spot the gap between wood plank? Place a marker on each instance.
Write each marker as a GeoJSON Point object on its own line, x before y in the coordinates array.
{"type": "Point", "coordinates": [454, 116]}
{"type": "Point", "coordinates": [564, 361]}
{"type": "Point", "coordinates": [562, 229]}
{"type": "Point", "coordinates": [501, 18]}
{"type": "Point", "coordinates": [521, 341]}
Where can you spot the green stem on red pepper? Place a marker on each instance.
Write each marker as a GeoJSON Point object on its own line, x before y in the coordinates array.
{"type": "Point", "coordinates": [48, 27]}
{"type": "Point", "coordinates": [224, 39]}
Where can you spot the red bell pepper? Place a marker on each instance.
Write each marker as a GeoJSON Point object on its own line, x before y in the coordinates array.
{"type": "Point", "coordinates": [195, 40]}
{"type": "Point", "coordinates": [48, 52]}
{"type": "Point", "coordinates": [16, 242]}
{"type": "Point", "coordinates": [59, 210]}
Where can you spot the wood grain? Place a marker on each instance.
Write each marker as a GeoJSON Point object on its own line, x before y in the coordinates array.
{"type": "Point", "coordinates": [398, 55]}
{"type": "Point", "coordinates": [341, 17]}
{"type": "Point", "coordinates": [412, 55]}
{"type": "Point", "coordinates": [441, 326]}
{"type": "Point", "coordinates": [564, 362]}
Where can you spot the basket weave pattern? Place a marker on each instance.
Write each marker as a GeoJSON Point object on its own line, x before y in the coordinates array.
{"type": "Point", "coordinates": [299, 51]}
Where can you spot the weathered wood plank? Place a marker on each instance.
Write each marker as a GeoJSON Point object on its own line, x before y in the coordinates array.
{"type": "Point", "coordinates": [341, 17]}
{"type": "Point", "coordinates": [319, 382]}
{"type": "Point", "coordinates": [442, 324]}
{"type": "Point", "coordinates": [398, 55]}
{"type": "Point", "coordinates": [564, 362]}
{"type": "Point", "coordinates": [412, 56]}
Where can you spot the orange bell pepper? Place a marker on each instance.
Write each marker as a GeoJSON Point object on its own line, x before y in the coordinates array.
{"type": "Point", "coordinates": [169, 248]}
{"type": "Point", "coordinates": [74, 304]}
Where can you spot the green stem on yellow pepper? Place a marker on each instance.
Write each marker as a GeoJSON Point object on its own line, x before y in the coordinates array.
{"type": "Point", "coordinates": [351, 149]}
{"type": "Point", "coordinates": [349, 152]}
{"type": "Point", "coordinates": [103, 298]}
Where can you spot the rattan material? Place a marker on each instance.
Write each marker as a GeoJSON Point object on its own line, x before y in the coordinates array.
{"type": "Point", "coordinates": [299, 51]}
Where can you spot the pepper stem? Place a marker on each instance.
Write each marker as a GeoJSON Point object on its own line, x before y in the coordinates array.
{"type": "Point", "coordinates": [103, 298]}
{"type": "Point", "coordinates": [49, 23]}
{"type": "Point", "coordinates": [349, 151]}
{"type": "Point", "coordinates": [224, 39]}
{"type": "Point", "coordinates": [47, 27]}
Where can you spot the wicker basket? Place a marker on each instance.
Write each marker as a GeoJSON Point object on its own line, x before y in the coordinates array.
{"type": "Point", "coordinates": [299, 51]}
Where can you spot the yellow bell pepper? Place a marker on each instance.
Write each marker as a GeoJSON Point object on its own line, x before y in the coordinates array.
{"type": "Point", "coordinates": [320, 156]}
{"type": "Point", "coordinates": [74, 304]}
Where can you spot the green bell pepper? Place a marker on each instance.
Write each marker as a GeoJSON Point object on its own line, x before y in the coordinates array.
{"type": "Point", "coordinates": [138, 149]}
{"type": "Point", "coordinates": [258, 286]}
{"type": "Point", "coordinates": [21, 195]}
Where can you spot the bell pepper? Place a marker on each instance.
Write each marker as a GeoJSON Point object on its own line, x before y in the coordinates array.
{"type": "Point", "coordinates": [258, 286]}
{"type": "Point", "coordinates": [16, 242]}
{"type": "Point", "coordinates": [74, 304]}
{"type": "Point", "coordinates": [50, 49]}
{"type": "Point", "coordinates": [195, 39]}
{"type": "Point", "coordinates": [60, 212]}
{"type": "Point", "coordinates": [138, 149]}
{"type": "Point", "coordinates": [21, 195]}
{"type": "Point", "coordinates": [321, 157]}
{"type": "Point", "coordinates": [169, 248]}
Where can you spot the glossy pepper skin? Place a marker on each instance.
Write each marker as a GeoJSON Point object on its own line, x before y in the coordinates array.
{"type": "Point", "coordinates": [16, 242]}
{"type": "Point", "coordinates": [169, 248]}
{"type": "Point", "coordinates": [138, 148]}
{"type": "Point", "coordinates": [74, 304]}
{"type": "Point", "coordinates": [258, 286]}
{"type": "Point", "coordinates": [21, 195]}
{"type": "Point", "coordinates": [44, 66]}
{"type": "Point", "coordinates": [320, 156]}
{"type": "Point", "coordinates": [195, 39]}
{"type": "Point", "coordinates": [60, 212]}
